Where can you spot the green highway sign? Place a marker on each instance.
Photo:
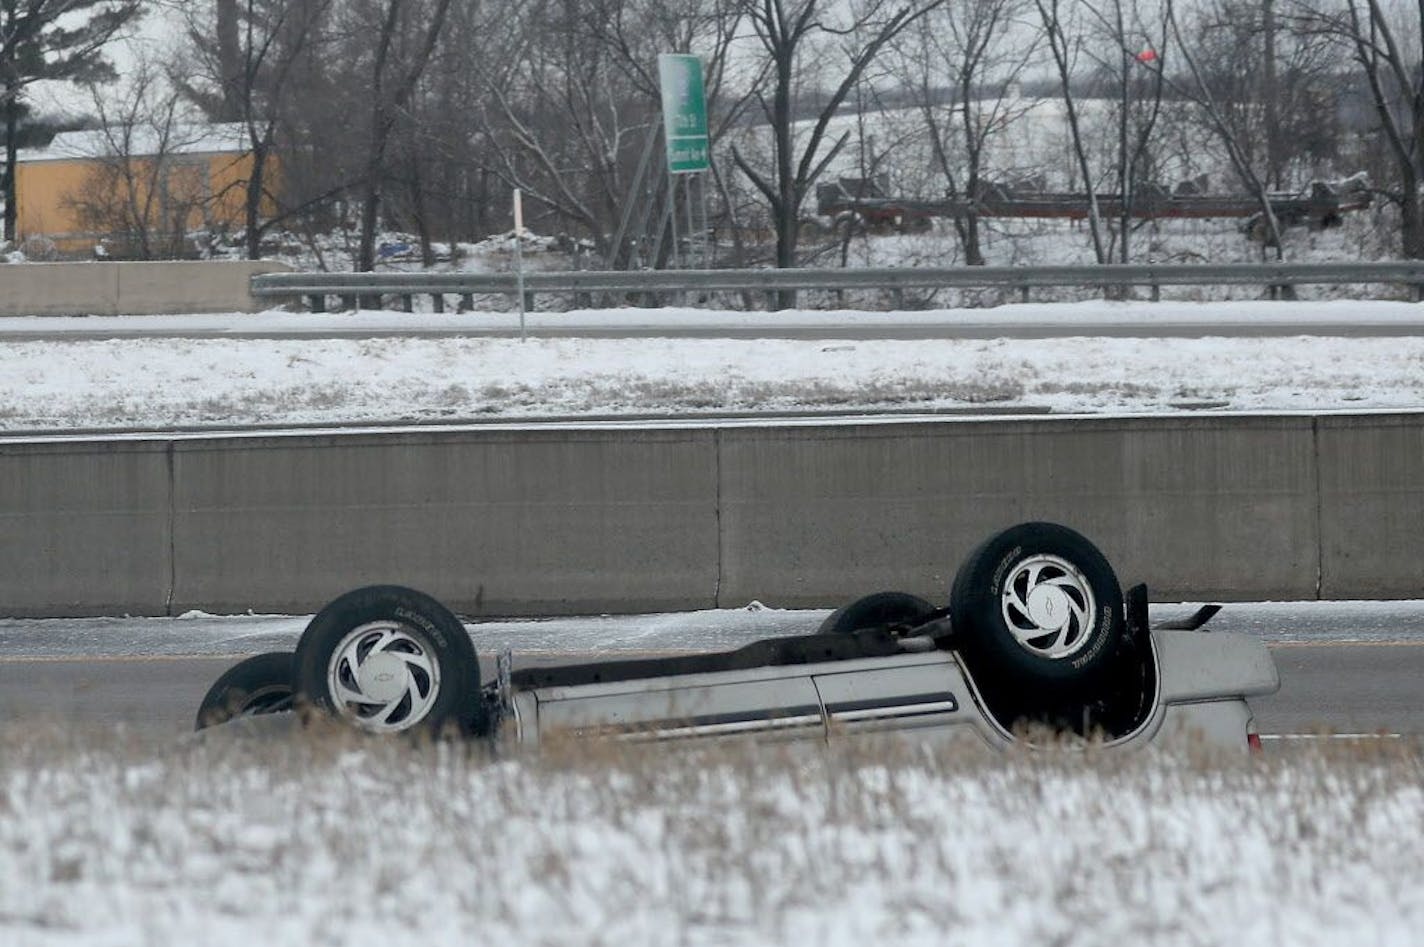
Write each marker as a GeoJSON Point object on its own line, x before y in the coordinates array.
{"type": "Point", "coordinates": [684, 113]}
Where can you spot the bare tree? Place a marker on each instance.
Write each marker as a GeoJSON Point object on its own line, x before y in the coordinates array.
{"type": "Point", "coordinates": [1270, 92]}
{"type": "Point", "coordinates": [143, 195]}
{"type": "Point", "coordinates": [445, 184]}
{"type": "Point", "coordinates": [1196, 87]}
{"type": "Point", "coordinates": [1055, 30]}
{"type": "Point", "coordinates": [252, 56]}
{"type": "Point", "coordinates": [790, 30]}
{"type": "Point", "coordinates": [571, 98]}
{"type": "Point", "coordinates": [309, 86]}
{"type": "Point", "coordinates": [393, 81]}
{"type": "Point", "coordinates": [561, 120]}
{"type": "Point", "coordinates": [1275, 82]}
{"type": "Point", "coordinates": [1386, 41]}
{"type": "Point", "coordinates": [1137, 102]}
{"type": "Point", "coordinates": [963, 63]}
{"type": "Point", "coordinates": [214, 42]}
{"type": "Point", "coordinates": [635, 31]}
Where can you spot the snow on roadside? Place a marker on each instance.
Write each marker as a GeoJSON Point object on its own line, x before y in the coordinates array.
{"type": "Point", "coordinates": [221, 842]}
{"type": "Point", "coordinates": [158, 383]}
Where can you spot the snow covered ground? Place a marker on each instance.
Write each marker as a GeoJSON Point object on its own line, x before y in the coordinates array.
{"type": "Point", "coordinates": [106, 840]}
{"type": "Point", "coordinates": [164, 382]}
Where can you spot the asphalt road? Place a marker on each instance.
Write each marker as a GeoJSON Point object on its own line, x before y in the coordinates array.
{"type": "Point", "coordinates": [1339, 687]}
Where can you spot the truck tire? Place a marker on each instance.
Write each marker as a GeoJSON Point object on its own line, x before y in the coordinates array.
{"type": "Point", "coordinates": [261, 684]}
{"type": "Point", "coordinates": [1037, 611]}
{"type": "Point", "coordinates": [871, 611]}
{"type": "Point", "coordinates": [388, 659]}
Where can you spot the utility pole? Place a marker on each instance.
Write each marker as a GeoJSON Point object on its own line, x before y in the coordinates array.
{"type": "Point", "coordinates": [1271, 91]}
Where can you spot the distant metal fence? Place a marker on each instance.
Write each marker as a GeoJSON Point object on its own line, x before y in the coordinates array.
{"type": "Point", "coordinates": [594, 287]}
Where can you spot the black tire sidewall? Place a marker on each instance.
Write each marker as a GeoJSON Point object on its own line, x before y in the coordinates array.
{"type": "Point", "coordinates": [874, 610]}
{"type": "Point", "coordinates": [262, 675]}
{"type": "Point", "coordinates": [456, 706]}
{"type": "Point", "coordinates": [983, 636]}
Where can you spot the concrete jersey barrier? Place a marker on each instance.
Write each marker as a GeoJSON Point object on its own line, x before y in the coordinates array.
{"type": "Point", "coordinates": [584, 519]}
{"type": "Point", "coordinates": [120, 289]}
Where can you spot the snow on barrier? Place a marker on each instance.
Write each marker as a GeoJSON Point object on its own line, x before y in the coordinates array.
{"type": "Point", "coordinates": [579, 519]}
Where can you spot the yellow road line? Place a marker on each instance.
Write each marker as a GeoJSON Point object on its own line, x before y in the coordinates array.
{"type": "Point", "coordinates": [118, 658]}
{"type": "Point", "coordinates": [1346, 644]}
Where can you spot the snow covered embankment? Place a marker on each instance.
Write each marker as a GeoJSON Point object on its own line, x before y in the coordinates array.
{"type": "Point", "coordinates": [163, 383]}
{"type": "Point", "coordinates": [107, 843]}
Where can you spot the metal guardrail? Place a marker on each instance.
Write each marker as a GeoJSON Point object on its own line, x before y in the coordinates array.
{"type": "Point", "coordinates": [315, 287]}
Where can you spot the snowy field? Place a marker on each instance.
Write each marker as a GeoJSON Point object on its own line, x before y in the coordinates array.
{"type": "Point", "coordinates": [105, 840]}
{"type": "Point", "coordinates": [154, 383]}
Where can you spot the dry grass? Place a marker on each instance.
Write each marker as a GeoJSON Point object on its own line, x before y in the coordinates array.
{"type": "Point", "coordinates": [107, 837]}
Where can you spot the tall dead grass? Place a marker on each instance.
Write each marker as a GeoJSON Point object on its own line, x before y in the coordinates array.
{"type": "Point", "coordinates": [110, 837]}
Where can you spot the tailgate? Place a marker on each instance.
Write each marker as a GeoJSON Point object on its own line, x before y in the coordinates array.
{"type": "Point", "coordinates": [1210, 665]}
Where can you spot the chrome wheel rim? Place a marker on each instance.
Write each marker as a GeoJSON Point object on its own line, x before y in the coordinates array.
{"type": "Point", "coordinates": [1048, 606]}
{"type": "Point", "coordinates": [382, 677]}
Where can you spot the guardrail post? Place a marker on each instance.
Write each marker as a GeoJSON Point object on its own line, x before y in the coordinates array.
{"type": "Point", "coordinates": [1023, 292]}
{"type": "Point", "coordinates": [316, 302]}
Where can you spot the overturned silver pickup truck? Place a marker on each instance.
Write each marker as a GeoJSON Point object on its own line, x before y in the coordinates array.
{"type": "Point", "coordinates": [1037, 637]}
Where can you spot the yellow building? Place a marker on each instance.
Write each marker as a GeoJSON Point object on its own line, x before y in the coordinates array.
{"type": "Point", "coordinates": [136, 191]}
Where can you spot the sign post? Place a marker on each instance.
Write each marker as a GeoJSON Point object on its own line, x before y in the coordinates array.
{"type": "Point", "coordinates": [519, 256]}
